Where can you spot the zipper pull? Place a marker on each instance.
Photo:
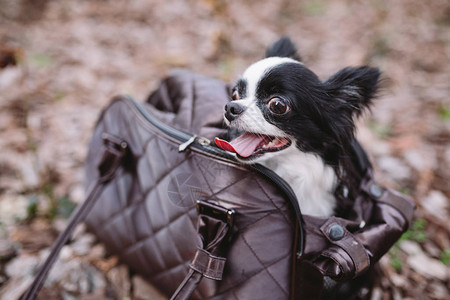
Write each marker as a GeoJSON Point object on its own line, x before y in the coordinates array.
{"type": "Point", "coordinates": [186, 144]}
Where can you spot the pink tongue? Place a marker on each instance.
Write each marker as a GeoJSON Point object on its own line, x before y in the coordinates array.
{"type": "Point", "coordinates": [244, 145]}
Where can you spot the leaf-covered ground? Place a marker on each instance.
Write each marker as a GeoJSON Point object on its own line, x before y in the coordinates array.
{"type": "Point", "coordinates": [61, 62]}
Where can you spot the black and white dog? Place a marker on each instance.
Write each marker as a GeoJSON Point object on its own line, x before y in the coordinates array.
{"type": "Point", "coordinates": [299, 126]}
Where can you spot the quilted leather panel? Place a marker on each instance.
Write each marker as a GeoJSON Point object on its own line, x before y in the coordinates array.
{"type": "Point", "coordinates": [150, 220]}
{"type": "Point", "coordinates": [147, 214]}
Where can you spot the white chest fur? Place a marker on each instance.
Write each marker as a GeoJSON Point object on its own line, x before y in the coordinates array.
{"type": "Point", "coordinates": [312, 181]}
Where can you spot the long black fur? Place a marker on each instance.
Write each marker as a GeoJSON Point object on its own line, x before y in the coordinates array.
{"type": "Point", "coordinates": [283, 48]}
{"type": "Point", "coordinates": [322, 112]}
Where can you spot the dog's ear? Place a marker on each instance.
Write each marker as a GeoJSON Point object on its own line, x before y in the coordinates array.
{"type": "Point", "coordinates": [354, 88]}
{"type": "Point", "coordinates": [351, 91]}
{"type": "Point", "coordinates": [284, 47]}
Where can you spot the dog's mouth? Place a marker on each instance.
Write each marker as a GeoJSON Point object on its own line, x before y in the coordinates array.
{"type": "Point", "coordinates": [250, 144]}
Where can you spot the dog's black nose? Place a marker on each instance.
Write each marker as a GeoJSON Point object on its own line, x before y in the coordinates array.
{"type": "Point", "coordinates": [233, 110]}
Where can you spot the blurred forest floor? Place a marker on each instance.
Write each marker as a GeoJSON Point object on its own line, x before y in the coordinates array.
{"type": "Point", "coordinates": [61, 62]}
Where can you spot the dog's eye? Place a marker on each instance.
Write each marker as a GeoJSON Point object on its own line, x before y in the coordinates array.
{"type": "Point", "coordinates": [235, 95]}
{"type": "Point", "coordinates": [278, 106]}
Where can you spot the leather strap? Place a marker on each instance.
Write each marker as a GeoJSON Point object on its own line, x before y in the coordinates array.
{"type": "Point", "coordinates": [110, 162]}
{"type": "Point", "coordinates": [387, 196]}
{"type": "Point", "coordinates": [207, 264]}
{"type": "Point", "coordinates": [214, 223]}
{"type": "Point", "coordinates": [188, 286]}
{"type": "Point", "coordinates": [350, 245]}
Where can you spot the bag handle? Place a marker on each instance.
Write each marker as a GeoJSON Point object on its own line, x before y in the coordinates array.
{"type": "Point", "coordinates": [214, 224]}
{"type": "Point", "coordinates": [111, 160]}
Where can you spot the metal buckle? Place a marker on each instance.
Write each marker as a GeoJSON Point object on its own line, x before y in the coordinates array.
{"type": "Point", "coordinates": [216, 211]}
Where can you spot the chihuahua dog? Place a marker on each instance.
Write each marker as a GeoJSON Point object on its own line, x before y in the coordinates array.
{"type": "Point", "coordinates": [300, 126]}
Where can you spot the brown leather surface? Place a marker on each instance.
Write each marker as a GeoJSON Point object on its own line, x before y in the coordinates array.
{"type": "Point", "coordinates": [375, 226]}
{"type": "Point", "coordinates": [156, 235]}
{"type": "Point", "coordinates": [147, 214]}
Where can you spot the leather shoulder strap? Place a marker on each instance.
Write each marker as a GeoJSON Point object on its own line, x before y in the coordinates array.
{"type": "Point", "coordinates": [214, 224]}
{"type": "Point", "coordinates": [110, 162]}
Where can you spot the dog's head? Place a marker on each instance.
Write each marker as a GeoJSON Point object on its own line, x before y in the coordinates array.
{"type": "Point", "coordinates": [279, 103]}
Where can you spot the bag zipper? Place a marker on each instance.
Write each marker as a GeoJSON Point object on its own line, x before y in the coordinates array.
{"type": "Point", "coordinates": [187, 140]}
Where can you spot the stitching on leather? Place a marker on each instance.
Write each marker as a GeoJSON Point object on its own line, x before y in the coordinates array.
{"type": "Point", "coordinates": [114, 239]}
{"type": "Point", "coordinates": [246, 279]}
{"type": "Point", "coordinates": [111, 218]}
{"type": "Point", "coordinates": [168, 226]}
{"type": "Point", "coordinates": [137, 195]}
{"type": "Point", "coordinates": [257, 220]}
{"type": "Point", "coordinates": [154, 233]}
{"type": "Point", "coordinates": [215, 194]}
{"type": "Point", "coordinates": [162, 177]}
{"type": "Point", "coordinates": [273, 203]}
{"type": "Point", "coordinates": [125, 215]}
{"type": "Point", "coordinates": [204, 178]}
{"type": "Point", "coordinates": [144, 122]}
{"type": "Point", "coordinates": [158, 142]}
{"type": "Point", "coordinates": [221, 190]}
{"type": "Point", "coordinates": [147, 160]}
{"type": "Point", "coordinates": [262, 264]}
{"type": "Point", "coordinates": [251, 275]}
{"type": "Point", "coordinates": [210, 266]}
{"type": "Point", "coordinates": [121, 189]}
{"type": "Point", "coordinates": [142, 257]}
{"type": "Point", "coordinates": [179, 258]}
{"type": "Point", "coordinates": [163, 273]}
{"type": "Point", "coordinates": [122, 212]}
{"type": "Point", "coordinates": [130, 229]}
